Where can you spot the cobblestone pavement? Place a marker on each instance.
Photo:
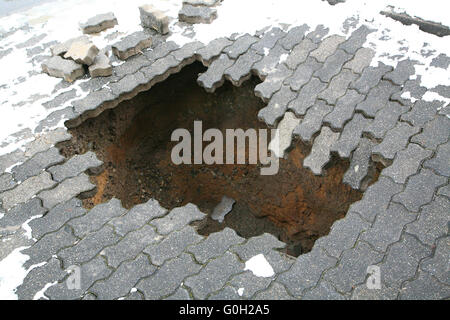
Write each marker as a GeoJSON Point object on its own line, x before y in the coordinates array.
{"type": "Point", "coordinates": [345, 107]}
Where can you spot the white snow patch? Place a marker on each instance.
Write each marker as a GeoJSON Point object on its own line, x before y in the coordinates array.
{"type": "Point", "coordinates": [12, 273]}
{"type": "Point", "coordinates": [40, 293]}
{"type": "Point", "coordinates": [259, 266]}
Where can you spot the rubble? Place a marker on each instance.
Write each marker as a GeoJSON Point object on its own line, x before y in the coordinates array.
{"type": "Point", "coordinates": [154, 19]}
{"type": "Point", "coordinates": [132, 45]}
{"type": "Point", "coordinates": [58, 67]}
{"type": "Point", "coordinates": [82, 52]}
{"type": "Point", "coordinates": [99, 23]}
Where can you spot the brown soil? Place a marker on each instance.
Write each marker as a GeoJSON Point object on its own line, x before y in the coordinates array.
{"type": "Point", "coordinates": [134, 142]}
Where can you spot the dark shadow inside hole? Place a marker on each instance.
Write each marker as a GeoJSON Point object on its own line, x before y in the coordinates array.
{"type": "Point", "coordinates": [134, 141]}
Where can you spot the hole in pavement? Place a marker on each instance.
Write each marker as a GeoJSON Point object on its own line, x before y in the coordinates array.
{"type": "Point", "coordinates": [133, 140]}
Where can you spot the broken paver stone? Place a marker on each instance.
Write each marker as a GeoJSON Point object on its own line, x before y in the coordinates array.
{"type": "Point", "coordinates": [82, 52]}
{"type": "Point", "coordinates": [154, 19]}
{"type": "Point", "coordinates": [58, 67]}
{"type": "Point", "coordinates": [101, 67]}
{"type": "Point", "coordinates": [61, 48]}
{"type": "Point", "coordinates": [99, 23]}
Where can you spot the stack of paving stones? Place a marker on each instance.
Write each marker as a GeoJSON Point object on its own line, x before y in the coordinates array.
{"type": "Point", "coordinates": [342, 105]}
{"type": "Point", "coordinates": [198, 11]}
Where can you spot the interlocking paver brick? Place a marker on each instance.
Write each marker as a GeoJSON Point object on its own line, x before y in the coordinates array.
{"type": "Point", "coordinates": [92, 101]}
{"type": "Point", "coordinates": [421, 112]}
{"type": "Point", "coordinates": [350, 136]}
{"type": "Point", "coordinates": [327, 47]}
{"type": "Point", "coordinates": [307, 96]}
{"type": "Point", "coordinates": [356, 39]}
{"type": "Point", "coordinates": [435, 132]}
{"type": "Point", "coordinates": [275, 292]}
{"type": "Point", "coordinates": [158, 52]}
{"type": "Point", "coordinates": [294, 36]}
{"type": "Point", "coordinates": [438, 264]}
{"type": "Point", "coordinates": [269, 62]}
{"type": "Point", "coordinates": [370, 77]}
{"type": "Point", "coordinates": [424, 287]}
{"type": "Point", "coordinates": [227, 293]}
{"type": "Point", "coordinates": [402, 72]}
{"type": "Point", "coordinates": [324, 291]}
{"type": "Point", "coordinates": [412, 91]}
{"type": "Point", "coordinates": [272, 83]}
{"type": "Point", "coordinates": [180, 294]}
{"type": "Point", "coordinates": [187, 51]}
{"type": "Point", "coordinates": [46, 141]}
{"type": "Point", "coordinates": [214, 76]}
{"type": "Point", "coordinates": [154, 19]}
{"type": "Point", "coordinates": [318, 33]}
{"type": "Point", "coordinates": [320, 151]}
{"type": "Point", "coordinates": [213, 49]}
{"type": "Point", "coordinates": [312, 122]}
{"type": "Point", "coordinates": [268, 40]}
{"type": "Point", "coordinates": [256, 245]}
{"type": "Point", "coordinates": [357, 174]}
{"type": "Point", "coordinates": [332, 65]}
{"type": "Point", "coordinates": [337, 87]}
{"type": "Point", "coordinates": [128, 83]}
{"type": "Point", "coordinates": [361, 60]}
{"type": "Point", "coordinates": [300, 53]}
{"type": "Point", "coordinates": [277, 106]}
{"type": "Point", "coordinates": [197, 14]}
{"type": "Point", "coordinates": [302, 75]}
{"type": "Point", "coordinates": [240, 71]}
{"type": "Point", "coordinates": [439, 163]}
{"type": "Point", "coordinates": [240, 46]}
{"type": "Point", "coordinates": [132, 45]}
{"type": "Point", "coordinates": [377, 99]}
{"type": "Point", "coordinates": [76, 165]}
{"type": "Point", "coordinates": [247, 284]}
{"type": "Point", "coordinates": [385, 119]}
{"type": "Point", "coordinates": [7, 182]}
{"type": "Point", "coordinates": [178, 218]}
{"type": "Point", "coordinates": [99, 23]}
{"type": "Point", "coordinates": [285, 129]}
{"type": "Point", "coordinates": [15, 217]}
{"type": "Point", "coordinates": [344, 109]}
{"type": "Point", "coordinates": [444, 191]}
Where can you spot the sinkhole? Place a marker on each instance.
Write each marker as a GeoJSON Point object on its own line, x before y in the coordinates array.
{"type": "Point", "coordinates": [134, 142]}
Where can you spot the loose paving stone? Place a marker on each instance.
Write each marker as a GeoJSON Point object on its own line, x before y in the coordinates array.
{"type": "Point", "coordinates": [37, 278]}
{"type": "Point", "coordinates": [61, 68]}
{"type": "Point", "coordinates": [214, 76]}
{"type": "Point", "coordinates": [216, 244]}
{"type": "Point", "coordinates": [438, 264]}
{"type": "Point", "coordinates": [406, 163]}
{"type": "Point", "coordinates": [123, 279]}
{"type": "Point", "coordinates": [264, 244]}
{"type": "Point", "coordinates": [132, 45]}
{"type": "Point", "coordinates": [214, 275]}
{"type": "Point", "coordinates": [101, 67]}
{"type": "Point", "coordinates": [419, 190]}
{"type": "Point", "coordinates": [240, 46]}
{"type": "Point", "coordinates": [82, 52]}
{"type": "Point", "coordinates": [344, 109]}
{"type": "Point", "coordinates": [360, 164]}
{"type": "Point", "coordinates": [56, 218]}
{"type": "Point", "coordinates": [275, 292]}
{"type": "Point", "coordinates": [332, 65]}
{"type": "Point", "coordinates": [16, 216]}
{"type": "Point", "coordinates": [92, 271]}
{"type": "Point", "coordinates": [268, 40]}
{"type": "Point", "coordinates": [300, 53]}
{"type": "Point", "coordinates": [277, 106]}
{"type": "Point", "coordinates": [247, 284]}
{"type": "Point", "coordinates": [197, 14]}
{"type": "Point", "coordinates": [207, 3]}
{"type": "Point", "coordinates": [168, 278]}
{"type": "Point", "coordinates": [312, 122]}
{"type": "Point", "coordinates": [240, 71]}
{"type": "Point", "coordinates": [173, 245]}
{"type": "Point", "coordinates": [385, 119]}
{"type": "Point", "coordinates": [306, 271]}
{"type": "Point", "coordinates": [377, 99]}
{"type": "Point", "coordinates": [307, 97]}
{"type": "Point", "coordinates": [36, 164]}
{"type": "Point", "coordinates": [26, 190]}
{"type": "Point", "coordinates": [388, 227]}
{"type": "Point", "coordinates": [302, 75]}
{"type": "Point", "coordinates": [131, 245]}
{"type": "Point", "coordinates": [76, 165]}
{"type": "Point", "coordinates": [61, 48]}
{"type": "Point", "coordinates": [435, 132]}
{"type": "Point", "coordinates": [361, 60]}
{"type": "Point", "coordinates": [370, 77]}
{"type": "Point", "coordinates": [284, 134]}
{"type": "Point", "coordinates": [294, 36]}
{"type": "Point", "coordinates": [154, 19]}
{"type": "Point", "coordinates": [424, 287]}
{"type": "Point", "coordinates": [180, 294]}
{"type": "Point", "coordinates": [99, 23]}
{"type": "Point", "coordinates": [97, 217]}
{"type": "Point", "coordinates": [92, 101]}
{"type": "Point", "coordinates": [178, 218]}
{"type": "Point", "coordinates": [66, 190]}
{"type": "Point", "coordinates": [272, 83]}
{"type": "Point", "coordinates": [395, 140]}
{"type": "Point", "coordinates": [324, 291]}
{"type": "Point", "coordinates": [327, 47]}
{"type": "Point", "coordinates": [268, 64]}
{"type": "Point", "coordinates": [213, 50]}
{"type": "Point", "coordinates": [88, 247]}
{"type": "Point", "coordinates": [402, 72]}
{"type": "Point", "coordinates": [422, 112]}
{"type": "Point", "coordinates": [320, 151]}
{"type": "Point", "coordinates": [350, 136]}
{"type": "Point", "coordinates": [337, 87]}
{"type": "Point", "coordinates": [7, 182]}
{"type": "Point", "coordinates": [376, 198]}
{"type": "Point", "coordinates": [352, 267]}
{"type": "Point", "coordinates": [439, 163]}
{"type": "Point", "coordinates": [432, 221]}
{"type": "Point", "coordinates": [356, 40]}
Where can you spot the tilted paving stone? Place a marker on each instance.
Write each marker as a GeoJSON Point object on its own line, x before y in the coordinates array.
{"type": "Point", "coordinates": [92, 271]}
{"type": "Point", "coordinates": [248, 284]}
{"type": "Point", "coordinates": [15, 217]}
{"type": "Point", "coordinates": [267, 65]}
{"type": "Point", "coordinates": [294, 36]}
{"type": "Point", "coordinates": [360, 163]}
{"type": "Point", "coordinates": [385, 119]}
{"type": "Point", "coordinates": [406, 163]}
{"type": "Point", "coordinates": [307, 97]}
{"type": "Point", "coordinates": [312, 122]}
{"type": "Point", "coordinates": [318, 33]}
{"type": "Point", "coordinates": [370, 77]}
{"type": "Point", "coordinates": [154, 19]}
{"type": "Point", "coordinates": [376, 198]}
{"type": "Point", "coordinates": [332, 65]}
{"type": "Point", "coordinates": [352, 267]}
{"type": "Point", "coordinates": [302, 75]}
{"type": "Point", "coordinates": [424, 287]}
{"type": "Point", "coordinates": [92, 101]}
{"type": "Point", "coordinates": [275, 292]}
{"type": "Point", "coordinates": [422, 112]}
{"type": "Point", "coordinates": [136, 217]}
{"type": "Point", "coordinates": [180, 294]}
{"type": "Point", "coordinates": [268, 40]}
{"type": "Point", "coordinates": [173, 245]}
{"type": "Point", "coordinates": [66, 190]}
{"type": "Point", "coordinates": [88, 247]}
{"type": "Point", "coordinates": [388, 227]}
{"type": "Point", "coordinates": [123, 279]}
{"type": "Point", "coordinates": [438, 264]}
{"type": "Point", "coordinates": [285, 129]}
{"type": "Point", "coordinates": [435, 132]}
{"type": "Point", "coordinates": [131, 245]}
{"type": "Point", "coordinates": [402, 72]}
{"type": "Point", "coordinates": [128, 83]}
{"type": "Point", "coordinates": [46, 141]}
{"type": "Point", "coordinates": [377, 99]}
{"type": "Point", "coordinates": [439, 163]}
{"type": "Point", "coordinates": [61, 48]}
{"type": "Point", "coordinates": [214, 76]}
{"type": "Point", "coordinates": [197, 14]}
{"type": "Point", "coordinates": [395, 140]}
{"type": "Point", "coordinates": [272, 83]}
{"type": "Point", "coordinates": [432, 221]}
{"type": "Point", "coordinates": [26, 190]}
{"type": "Point", "coordinates": [168, 278]}
{"type": "Point", "coordinates": [444, 191]}
{"type": "Point", "coordinates": [320, 151]}
{"type": "Point", "coordinates": [362, 59]}
{"type": "Point", "coordinates": [277, 106]}
{"type": "Point", "coordinates": [356, 39]}
{"type": "Point", "coordinates": [300, 53]}
{"type": "Point", "coordinates": [213, 49]}
{"type": "Point", "coordinates": [214, 275]}
{"type": "Point", "coordinates": [306, 271]}
{"type": "Point", "coordinates": [99, 23]}
{"type": "Point", "coordinates": [37, 278]}
{"type": "Point", "coordinates": [337, 87]}
{"type": "Point", "coordinates": [413, 89]}
{"type": "Point", "coordinates": [7, 182]}
{"type": "Point", "coordinates": [419, 189]}
{"type": "Point", "coordinates": [240, 46]}
{"type": "Point", "coordinates": [264, 244]}
{"type": "Point", "coordinates": [344, 109]}
{"type": "Point", "coordinates": [323, 291]}
{"type": "Point", "coordinates": [240, 71]}
{"type": "Point", "coordinates": [327, 47]}
{"type": "Point", "coordinates": [76, 165]}
{"type": "Point", "coordinates": [132, 45]}
{"type": "Point", "coordinates": [227, 293]}
{"type": "Point", "coordinates": [216, 244]}
{"type": "Point", "coordinates": [82, 52]}
{"type": "Point", "coordinates": [187, 51]}
{"type": "Point", "coordinates": [349, 139]}
{"type": "Point", "coordinates": [178, 218]}
{"type": "Point", "coordinates": [58, 67]}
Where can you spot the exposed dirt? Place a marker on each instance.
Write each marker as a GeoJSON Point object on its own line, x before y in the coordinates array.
{"type": "Point", "coordinates": [134, 142]}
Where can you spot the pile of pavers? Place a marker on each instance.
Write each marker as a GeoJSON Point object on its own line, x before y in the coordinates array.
{"type": "Point", "coordinates": [198, 11]}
